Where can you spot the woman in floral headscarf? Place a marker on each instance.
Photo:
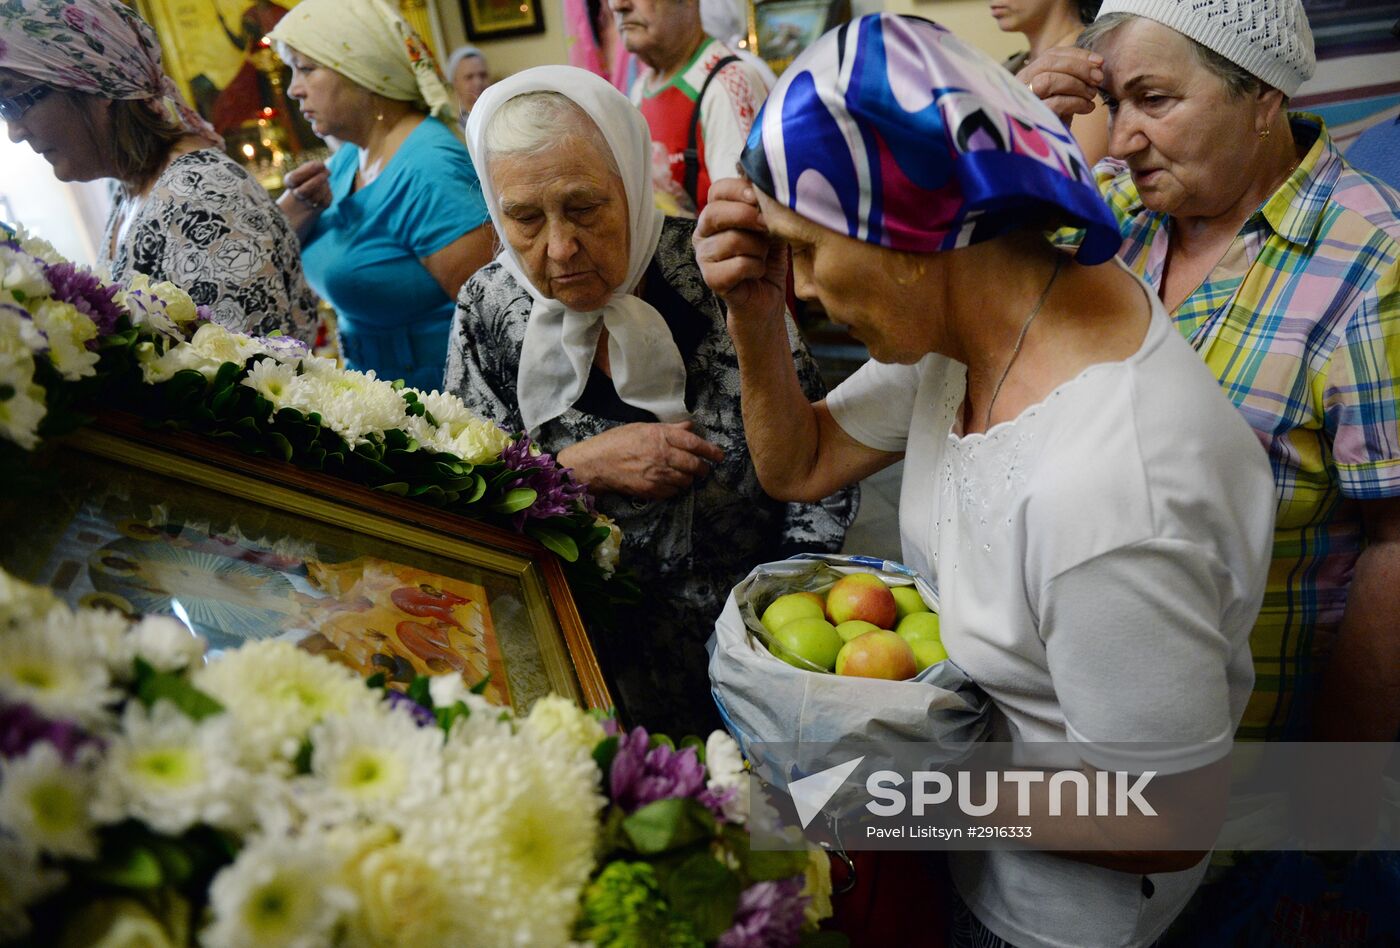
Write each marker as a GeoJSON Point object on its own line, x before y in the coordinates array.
{"type": "Point", "coordinates": [1094, 513]}
{"type": "Point", "coordinates": [395, 224]}
{"type": "Point", "coordinates": [82, 83]}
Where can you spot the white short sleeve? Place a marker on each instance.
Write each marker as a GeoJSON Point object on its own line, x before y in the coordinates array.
{"type": "Point", "coordinates": [875, 405]}
{"type": "Point", "coordinates": [1137, 648]}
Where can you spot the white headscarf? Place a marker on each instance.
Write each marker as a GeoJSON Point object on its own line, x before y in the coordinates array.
{"type": "Point", "coordinates": [560, 343]}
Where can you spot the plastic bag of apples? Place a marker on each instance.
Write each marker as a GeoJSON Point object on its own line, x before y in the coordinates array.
{"type": "Point", "coordinates": [825, 649]}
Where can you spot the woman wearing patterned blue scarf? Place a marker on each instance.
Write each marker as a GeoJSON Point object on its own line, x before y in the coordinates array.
{"type": "Point", "coordinates": [1094, 514]}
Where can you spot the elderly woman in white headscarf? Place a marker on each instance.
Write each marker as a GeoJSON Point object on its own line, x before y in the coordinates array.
{"type": "Point", "coordinates": [594, 332]}
{"type": "Point", "coordinates": [395, 224]}
{"type": "Point", "coordinates": [467, 71]}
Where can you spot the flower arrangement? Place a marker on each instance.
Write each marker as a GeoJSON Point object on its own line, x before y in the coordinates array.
{"type": "Point", "coordinates": [70, 341]}
{"type": "Point", "coordinates": [270, 798]}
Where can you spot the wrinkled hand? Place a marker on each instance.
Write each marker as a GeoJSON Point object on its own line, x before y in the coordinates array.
{"type": "Point", "coordinates": [744, 264]}
{"type": "Point", "coordinates": [310, 184]}
{"type": "Point", "coordinates": [648, 460]}
{"type": "Point", "coordinates": [1066, 79]}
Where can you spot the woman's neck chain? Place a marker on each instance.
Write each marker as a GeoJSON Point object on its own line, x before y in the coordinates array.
{"type": "Point", "coordinates": [1021, 338]}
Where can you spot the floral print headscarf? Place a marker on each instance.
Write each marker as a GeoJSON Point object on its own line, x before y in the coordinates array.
{"type": "Point", "coordinates": [98, 47]}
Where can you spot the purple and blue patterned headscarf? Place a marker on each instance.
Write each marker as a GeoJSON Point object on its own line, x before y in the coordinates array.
{"type": "Point", "coordinates": [891, 130]}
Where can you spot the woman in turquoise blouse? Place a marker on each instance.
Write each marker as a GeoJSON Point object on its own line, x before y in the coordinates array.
{"type": "Point", "coordinates": [395, 223]}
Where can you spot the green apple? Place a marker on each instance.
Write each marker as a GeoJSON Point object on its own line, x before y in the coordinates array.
{"type": "Point", "coordinates": [878, 654]}
{"type": "Point", "coordinates": [928, 652]}
{"type": "Point", "coordinates": [907, 601]}
{"type": "Point", "coordinates": [861, 596]}
{"type": "Point", "coordinates": [785, 609]}
{"type": "Point", "coordinates": [849, 630]}
{"type": "Point", "coordinates": [813, 639]}
{"type": "Point", "coordinates": [919, 625]}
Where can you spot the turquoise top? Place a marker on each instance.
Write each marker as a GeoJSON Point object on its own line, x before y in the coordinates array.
{"type": "Point", "coordinates": [363, 254]}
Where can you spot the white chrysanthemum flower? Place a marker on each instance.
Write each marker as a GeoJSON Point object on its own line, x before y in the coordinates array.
{"type": "Point", "coordinates": [279, 893]}
{"type": "Point", "coordinates": [403, 902]}
{"type": "Point", "coordinates": [105, 631]}
{"type": "Point", "coordinates": [21, 602]}
{"type": "Point", "coordinates": [22, 405]}
{"type": "Point", "coordinates": [37, 246]}
{"type": "Point", "coordinates": [161, 367]}
{"type": "Point", "coordinates": [164, 643]}
{"type": "Point", "coordinates": [61, 674]}
{"type": "Point", "coordinates": [172, 772]}
{"type": "Point", "coordinates": [459, 430]}
{"type": "Point", "coordinates": [724, 765]}
{"type": "Point", "coordinates": [514, 835]}
{"type": "Point", "coordinates": [376, 763]}
{"type": "Point", "coordinates": [23, 881]}
{"type": "Point", "coordinates": [45, 801]}
{"type": "Point", "coordinates": [215, 342]}
{"type": "Point", "coordinates": [558, 719]}
{"type": "Point", "coordinates": [483, 718]}
{"type": "Point", "coordinates": [68, 332]}
{"type": "Point", "coordinates": [605, 554]}
{"type": "Point", "coordinates": [352, 404]}
{"type": "Point", "coordinates": [274, 381]}
{"type": "Point", "coordinates": [22, 277]}
{"type": "Point", "coordinates": [18, 334]}
{"type": "Point", "coordinates": [276, 692]}
{"type": "Point", "coordinates": [179, 305]}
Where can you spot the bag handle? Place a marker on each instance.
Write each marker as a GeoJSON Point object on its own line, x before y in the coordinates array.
{"type": "Point", "coordinates": [691, 153]}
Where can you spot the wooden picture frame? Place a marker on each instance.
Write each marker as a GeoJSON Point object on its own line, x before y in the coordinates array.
{"type": "Point", "coordinates": [240, 548]}
{"type": "Point", "coordinates": [499, 19]}
{"type": "Point", "coordinates": [779, 30]}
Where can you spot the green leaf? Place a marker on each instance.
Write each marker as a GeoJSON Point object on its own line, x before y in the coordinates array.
{"type": "Point", "coordinates": [419, 691]}
{"type": "Point", "coordinates": [281, 446]}
{"type": "Point", "coordinates": [227, 375]}
{"type": "Point", "coordinates": [704, 891]}
{"type": "Point", "coordinates": [301, 763]}
{"type": "Point", "coordinates": [397, 488]}
{"type": "Point", "coordinates": [515, 500]}
{"type": "Point", "coordinates": [289, 416]}
{"type": "Point", "coordinates": [472, 494]}
{"type": "Point", "coordinates": [604, 753]}
{"type": "Point", "coordinates": [555, 540]}
{"type": "Point", "coordinates": [480, 687]}
{"type": "Point", "coordinates": [668, 824]}
{"type": "Point", "coordinates": [153, 686]}
{"type": "Point", "coordinates": [377, 680]}
{"type": "Point", "coordinates": [429, 493]}
{"type": "Point", "coordinates": [769, 865]}
{"type": "Point", "coordinates": [176, 863]}
{"type": "Point", "coordinates": [690, 740]}
{"type": "Point", "coordinates": [129, 867]}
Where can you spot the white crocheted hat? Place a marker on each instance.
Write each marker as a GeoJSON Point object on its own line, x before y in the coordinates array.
{"type": "Point", "coordinates": [1270, 39]}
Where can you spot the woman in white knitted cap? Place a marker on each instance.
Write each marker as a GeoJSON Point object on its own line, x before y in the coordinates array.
{"type": "Point", "coordinates": [395, 223]}
{"type": "Point", "coordinates": [1281, 264]}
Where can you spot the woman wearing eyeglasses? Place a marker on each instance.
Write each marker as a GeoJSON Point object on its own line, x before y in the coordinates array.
{"type": "Point", "coordinates": [81, 82]}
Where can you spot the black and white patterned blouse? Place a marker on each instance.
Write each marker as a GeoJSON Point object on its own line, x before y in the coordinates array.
{"type": "Point", "coordinates": [208, 227]}
{"type": "Point", "coordinates": [688, 550]}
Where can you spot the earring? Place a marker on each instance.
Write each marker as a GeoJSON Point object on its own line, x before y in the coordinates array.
{"type": "Point", "coordinates": [1263, 133]}
{"type": "Point", "coordinates": [379, 117]}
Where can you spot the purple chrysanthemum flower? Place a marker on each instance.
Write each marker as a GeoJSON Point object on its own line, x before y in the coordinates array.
{"type": "Point", "coordinates": [21, 728]}
{"type": "Point", "coordinates": [557, 493]}
{"type": "Point", "coordinates": [642, 775]}
{"type": "Point", "coordinates": [287, 346]}
{"type": "Point", "coordinates": [770, 915]}
{"type": "Point", "coordinates": [80, 287]}
{"type": "Point", "coordinates": [717, 799]}
{"type": "Point", "coordinates": [421, 715]}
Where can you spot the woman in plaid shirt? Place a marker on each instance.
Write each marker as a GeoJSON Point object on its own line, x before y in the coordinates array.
{"type": "Point", "coordinates": [1280, 263]}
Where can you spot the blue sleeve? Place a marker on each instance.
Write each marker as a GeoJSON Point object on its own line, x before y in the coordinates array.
{"type": "Point", "coordinates": [440, 198]}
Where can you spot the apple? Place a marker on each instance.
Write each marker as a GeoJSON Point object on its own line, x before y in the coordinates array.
{"type": "Point", "coordinates": [919, 625]}
{"type": "Point", "coordinates": [861, 596]}
{"type": "Point", "coordinates": [785, 609]}
{"type": "Point", "coordinates": [928, 652]}
{"type": "Point", "coordinates": [907, 601]}
{"type": "Point", "coordinates": [878, 654]}
{"type": "Point", "coordinates": [812, 638]}
{"type": "Point", "coordinates": [849, 630]}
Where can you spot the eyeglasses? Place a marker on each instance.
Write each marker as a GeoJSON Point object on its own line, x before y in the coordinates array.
{"type": "Point", "coordinates": [13, 108]}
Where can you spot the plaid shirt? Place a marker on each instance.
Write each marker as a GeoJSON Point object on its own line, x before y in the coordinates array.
{"type": "Point", "coordinates": [1305, 340]}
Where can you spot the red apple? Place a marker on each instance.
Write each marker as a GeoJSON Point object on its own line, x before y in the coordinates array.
{"type": "Point", "coordinates": [861, 596]}
{"type": "Point", "coordinates": [879, 654]}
